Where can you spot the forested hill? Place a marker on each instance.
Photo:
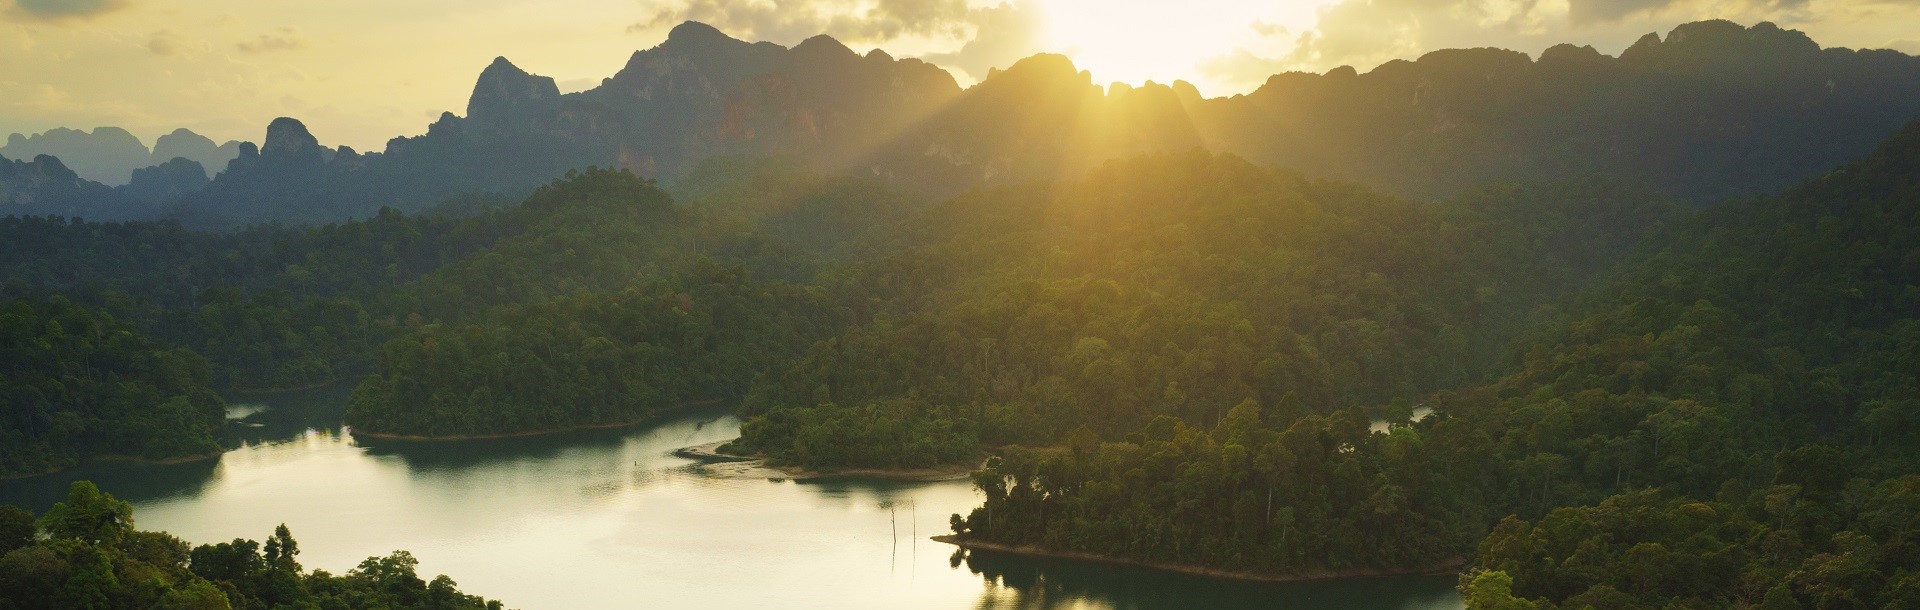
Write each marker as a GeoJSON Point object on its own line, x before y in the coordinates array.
{"type": "Point", "coordinates": [1176, 285]}
{"type": "Point", "coordinates": [1175, 356]}
{"type": "Point", "coordinates": [79, 384]}
{"type": "Point", "coordinates": [1710, 110]}
{"type": "Point", "coordinates": [616, 304]}
{"type": "Point", "coordinates": [1730, 423]}
{"type": "Point", "coordinates": [1751, 390]}
{"type": "Point", "coordinates": [270, 307]}
{"type": "Point", "coordinates": [599, 299]}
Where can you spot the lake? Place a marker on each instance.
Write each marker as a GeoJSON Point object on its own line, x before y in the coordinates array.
{"type": "Point", "coordinates": [611, 519]}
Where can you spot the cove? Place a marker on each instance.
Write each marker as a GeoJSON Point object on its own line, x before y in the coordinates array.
{"type": "Point", "coordinates": [611, 519]}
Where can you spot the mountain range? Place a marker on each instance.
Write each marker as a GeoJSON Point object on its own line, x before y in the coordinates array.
{"type": "Point", "coordinates": [1710, 111]}
{"type": "Point", "coordinates": [110, 155]}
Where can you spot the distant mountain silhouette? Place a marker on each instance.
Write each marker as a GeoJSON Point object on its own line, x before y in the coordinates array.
{"type": "Point", "coordinates": [1710, 111]}
{"type": "Point", "coordinates": [166, 182]}
{"type": "Point", "coordinates": [183, 143]}
{"type": "Point", "coordinates": [1043, 117]}
{"type": "Point", "coordinates": [697, 95]}
{"type": "Point", "coordinates": [1713, 110]}
{"type": "Point", "coordinates": [45, 186]}
{"type": "Point", "coordinates": [110, 155]}
{"type": "Point", "coordinates": [288, 178]}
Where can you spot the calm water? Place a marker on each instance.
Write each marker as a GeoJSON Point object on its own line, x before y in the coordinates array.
{"type": "Point", "coordinates": [609, 519]}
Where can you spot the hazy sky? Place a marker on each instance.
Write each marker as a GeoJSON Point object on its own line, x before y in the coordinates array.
{"type": "Point", "coordinates": [361, 71]}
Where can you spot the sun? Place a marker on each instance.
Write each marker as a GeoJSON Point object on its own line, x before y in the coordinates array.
{"type": "Point", "coordinates": [1134, 41]}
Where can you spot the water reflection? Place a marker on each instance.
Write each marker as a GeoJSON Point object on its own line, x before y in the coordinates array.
{"type": "Point", "coordinates": [1030, 583]}
{"type": "Point", "coordinates": [134, 482]}
{"type": "Point", "coordinates": [286, 416]}
{"type": "Point", "coordinates": [599, 519]}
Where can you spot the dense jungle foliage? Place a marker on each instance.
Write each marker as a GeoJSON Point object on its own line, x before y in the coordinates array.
{"type": "Point", "coordinates": [1728, 423]}
{"type": "Point", "coordinates": [1177, 358]}
{"type": "Point", "coordinates": [78, 383]}
{"type": "Point", "coordinates": [1180, 285]}
{"type": "Point", "coordinates": [86, 553]}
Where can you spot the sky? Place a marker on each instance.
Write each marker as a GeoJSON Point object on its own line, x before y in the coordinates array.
{"type": "Point", "coordinates": [359, 72]}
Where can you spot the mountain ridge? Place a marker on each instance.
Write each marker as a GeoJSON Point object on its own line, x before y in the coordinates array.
{"type": "Point", "coordinates": [109, 155]}
{"type": "Point", "coordinates": [1711, 110]}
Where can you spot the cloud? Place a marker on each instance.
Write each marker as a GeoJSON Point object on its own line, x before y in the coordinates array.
{"type": "Point", "coordinates": [287, 39]}
{"type": "Point", "coordinates": [19, 38]}
{"type": "Point", "coordinates": [1598, 11]}
{"type": "Point", "coordinates": [987, 36]}
{"type": "Point", "coordinates": [1241, 68]}
{"type": "Point", "coordinates": [1001, 35]}
{"type": "Point", "coordinates": [789, 21]}
{"type": "Point", "coordinates": [60, 10]}
{"type": "Point", "coordinates": [35, 98]}
{"type": "Point", "coordinates": [1244, 68]}
{"type": "Point", "coordinates": [163, 43]}
{"type": "Point", "coordinates": [1269, 30]}
{"type": "Point", "coordinates": [1363, 33]}
{"type": "Point", "coordinates": [1583, 12]}
{"type": "Point", "coordinates": [1369, 32]}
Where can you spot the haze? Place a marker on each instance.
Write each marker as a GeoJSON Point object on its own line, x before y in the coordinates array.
{"type": "Point", "coordinates": [361, 71]}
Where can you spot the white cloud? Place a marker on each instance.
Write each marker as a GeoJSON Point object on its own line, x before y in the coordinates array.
{"type": "Point", "coordinates": [1001, 35]}
{"type": "Point", "coordinates": [970, 37]}
{"type": "Point", "coordinates": [790, 21]}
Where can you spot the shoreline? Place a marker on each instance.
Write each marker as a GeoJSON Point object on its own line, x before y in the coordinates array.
{"type": "Point", "coordinates": [54, 470]}
{"type": "Point", "coordinates": [418, 438]}
{"type": "Point", "coordinates": [264, 392]}
{"type": "Point", "coordinates": [1449, 566]}
{"type": "Point", "coordinates": [183, 459]}
{"type": "Point", "coordinates": [170, 461]}
{"type": "Point", "coordinates": [936, 474]}
{"type": "Point", "coordinates": [727, 466]}
{"type": "Point", "coordinates": [710, 453]}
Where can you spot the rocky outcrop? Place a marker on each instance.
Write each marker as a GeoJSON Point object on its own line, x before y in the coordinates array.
{"type": "Point", "coordinates": [507, 100]}
{"type": "Point", "coordinates": [698, 94]}
{"type": "Point", "coordinates": [290, 146]}
{"type": "Point", "coordinates": [1710, 110]}
{"type": "Point", "coordinates": [165, 182]}
{"type": "Point", "coordinates": [45, 186]}
{"type": "Point", "coordinates": [290, 177]}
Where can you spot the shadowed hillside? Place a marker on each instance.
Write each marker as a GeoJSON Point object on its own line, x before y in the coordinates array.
{"type": "Point", "coordinates": [1709, 111]}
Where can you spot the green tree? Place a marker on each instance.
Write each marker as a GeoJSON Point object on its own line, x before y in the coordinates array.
{"type": "Point", "coordinates": [1491, 590]}
{"type": "Point", "coordinates": [17, 528]}
{"type": "Point", "coordinates": [89, 516]}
